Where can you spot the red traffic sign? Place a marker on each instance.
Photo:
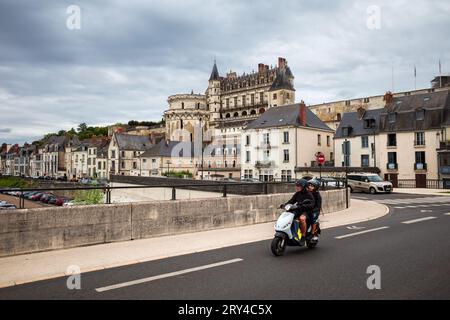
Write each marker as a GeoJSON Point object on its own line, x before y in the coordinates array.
{"type": "Point", "coordinates": [320, 157]}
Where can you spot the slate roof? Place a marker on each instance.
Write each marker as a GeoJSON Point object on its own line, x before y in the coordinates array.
{"type": "Point", "coordinates": [352, 119]}
{"type": "Point", "coordinates": [283, 116]}
{"type": "Point", "coordinates": [133, 142]}
{"type": "Point", "coordinates": [214, 73]}
{"type": "Point", "coordinates": [282, 80]}
{"type": "Point", "coordinates": [434, 105]}
{"type": "Point", "coordinates": [171, 148]}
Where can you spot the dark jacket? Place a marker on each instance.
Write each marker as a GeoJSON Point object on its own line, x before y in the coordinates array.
{"type": "Point", "coordinates": [300, 197]}
{"type": "Point", "coordinates": [318, 202]}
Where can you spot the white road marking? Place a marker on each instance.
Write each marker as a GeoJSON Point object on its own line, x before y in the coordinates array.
{"type": "Point", "coordinates": [166, 275]}
{"type": "Point", "coordinates": [399, 207]}
{"type": "Point", "coordinates": [426, 211]}
{"type": "Point", "coordinates": [418, 220]}
{"type": "Point", "coordinates": [361, 232]}
{"type": "Point", "coordinates": [447, 214]}
{"type": "Point", "coordinates": [355, 228]}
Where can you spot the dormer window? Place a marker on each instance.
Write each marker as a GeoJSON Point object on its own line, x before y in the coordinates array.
{"type": "Point", "coordinates": [420, 114]}
{"type": "Point", "coordinates": [392, 117]}
{"type": "Point", "coordinates": [369, 123]}
{"type": "Point", "coordinates": [346, 131]}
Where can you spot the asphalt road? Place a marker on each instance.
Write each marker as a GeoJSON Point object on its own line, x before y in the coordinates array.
{"type": "Point", "coordinates": [413, 259]}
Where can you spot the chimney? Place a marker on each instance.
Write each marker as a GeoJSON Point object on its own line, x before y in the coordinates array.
{"type": "Point", "coordinates": [281, 63]}
{"type": "Point", "coordinates": [361, 112]}
{"type": "Point", "coordinates": [302, 114]}
{"type": "Point", "coordinates": [261, 67]}
{"type": "Point", "coordinates": [388, 97]}
{"type": "Point", "coordinates": [94, 139]}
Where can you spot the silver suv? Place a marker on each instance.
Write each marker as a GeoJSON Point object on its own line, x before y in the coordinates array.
{"type": "Point", "coordinates": [368, 182]}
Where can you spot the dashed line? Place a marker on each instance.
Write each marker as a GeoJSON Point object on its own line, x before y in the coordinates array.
{"type": "Point", "coordinates": [418, 220]}
{"type": "Point", "coordinates": [361, 232]}
{"type": "Point", "coordinates": [166, 275]}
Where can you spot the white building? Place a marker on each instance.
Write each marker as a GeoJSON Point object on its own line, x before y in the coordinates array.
{"type": "Point", "coordinates": [281, 140]}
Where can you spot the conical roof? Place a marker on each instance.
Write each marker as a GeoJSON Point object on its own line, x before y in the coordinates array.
{"type": "Point", "coordinates": [214, 73]}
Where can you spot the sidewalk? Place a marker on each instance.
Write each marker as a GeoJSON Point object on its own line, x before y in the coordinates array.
{"type": "Point", "coordinates": [52, 264]}
{"type": "Point", "coordinates": [437, 192]}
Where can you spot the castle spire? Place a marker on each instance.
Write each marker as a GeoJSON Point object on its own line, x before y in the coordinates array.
{"type": "Point", "coordinates": [214, 73]}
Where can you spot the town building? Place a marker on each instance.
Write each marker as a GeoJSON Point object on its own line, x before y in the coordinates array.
{"type": "Point", "coordinates": [281, 140]}
{"type": "Point", "coordinates": [403, 139]}
{"type": "Point", "coordinates": [124, 151]}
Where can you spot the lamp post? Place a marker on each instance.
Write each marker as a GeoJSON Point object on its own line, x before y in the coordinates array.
{"type": "Point", "coordinates": [201, 129]}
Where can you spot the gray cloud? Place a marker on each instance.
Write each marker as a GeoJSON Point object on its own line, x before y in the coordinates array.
{"type": "Point", "coordinates": [129, 56]}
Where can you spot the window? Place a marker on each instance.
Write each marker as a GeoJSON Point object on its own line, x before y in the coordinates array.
{"type": "Point", "coordinates": [346, 131]}
{"type": "Point", "coordinates": [364, 160]}
{"type": "Point", "coordinates": [266, 155]}
{"type": "Point", "coordinates": [182, 105]}
{"type": "Point", "coordinates": [266, 138]}
{"type": "Point", "coordinates": [235, 102]}
{"type": "Point", "coordinates": [99, 165]}
{"type": "Point", "coordinates": [419, 139]}
{"type": "Point", "coordinates": [122, 165]}
{"type": "Point", "coordinates": [252, 99]}
{"type": "Point", "coordinates": [392, 159]}
{"type": "Point", "coordinates": [366, 100]}
{"type": "Point", "coordinates": [274, 96]}
{"type": "Point", "coordinates": [286, 137]}
{"type": "Point", "coordinates": [261, 97]}
{"type": "Point", "coordinates": [286, 155]}
{"type": "Point", "coordinates": [123, 154]}
{"type": "Point", "coordinates": [289, 175]}
{"type": "Point", "coordinates": [420, 159]}
{"type": "Point", "coordinates": [134, 165]}
{"type": "Point", "coordinates": [283, 175]}
{"type": "Point", "coordinates": [392, 140]}
{"type": "Point", "coordinates": [420, 115]}
{"type": "Point", "coordinates": [347, 103]}
{"type": "Point", "coordinates": [369, 123]}
{"type": "Point", "coordinates": [113, 154]}
{"type": "Point", "coordinates": [328, 141]}
{"type": "Point", "coordinates": [319, 140]}
{"type": "Point", "coordinates": [247, 140]}
{"type": "Point", "coordinates": [392, 117]}
{"type": "Point", "coordinates": [227, 103]}
{"type": "Point", "coordinates": [243, 101]}
{"type": "Point", "coordinates": [364, 142]}
{"type": "Point", "coordinates": [247, 156]}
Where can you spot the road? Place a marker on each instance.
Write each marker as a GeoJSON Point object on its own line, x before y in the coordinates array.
{"type": "Point", "coordinates": [410, 245]}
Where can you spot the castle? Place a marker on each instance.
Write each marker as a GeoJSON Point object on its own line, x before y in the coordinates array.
{"type": "Point", "coordinates": [229, 103]}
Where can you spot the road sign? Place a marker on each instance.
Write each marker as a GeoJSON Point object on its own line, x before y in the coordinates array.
{"type": "Point", "coordinates": [320, 157]}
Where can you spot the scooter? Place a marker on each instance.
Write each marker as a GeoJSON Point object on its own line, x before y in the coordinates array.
{"type": "Point", "coordinates": [287, 232]}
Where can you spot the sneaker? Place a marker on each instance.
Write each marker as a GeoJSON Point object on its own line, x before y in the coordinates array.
{"type": "Point", "coordinates": [315, 238]}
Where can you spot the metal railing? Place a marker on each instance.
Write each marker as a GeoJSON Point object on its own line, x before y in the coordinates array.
{"type": "Point", "coordinates": [412, 183]}
{"type": "Point", "coordinates": [224, 188]}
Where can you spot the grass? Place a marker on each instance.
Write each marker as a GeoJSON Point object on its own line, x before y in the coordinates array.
{"type": "Point", "coordinates": [16, 182]}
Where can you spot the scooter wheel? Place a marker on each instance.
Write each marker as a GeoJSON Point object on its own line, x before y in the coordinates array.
{"type": "Point", "coordinates": [278, 245]}
{"type": "Point", "coordinates": [311, 245]}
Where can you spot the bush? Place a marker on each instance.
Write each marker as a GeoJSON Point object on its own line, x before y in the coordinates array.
{"type": "Point", "coordinates": [89, 197]}
{"type": "Point", "coordinates": [178, 174]}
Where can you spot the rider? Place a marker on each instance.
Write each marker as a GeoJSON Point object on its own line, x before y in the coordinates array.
{"type": "Point", "coordinates": [313, 188]}
{"type": "Point", "coordinates": [306, 203]}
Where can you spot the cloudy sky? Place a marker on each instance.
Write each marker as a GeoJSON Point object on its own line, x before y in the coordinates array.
{"type": "Point", "coordinates": [127, 57]}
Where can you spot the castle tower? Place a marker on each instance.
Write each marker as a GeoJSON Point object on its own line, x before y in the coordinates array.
{"type": "Point", "coordinates": [213, 94]}
{"type": "Point", "coordinates": [282, 90]}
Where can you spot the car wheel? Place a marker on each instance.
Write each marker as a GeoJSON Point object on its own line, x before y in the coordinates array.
{"type": "Point", "coordinates": [372, 191]}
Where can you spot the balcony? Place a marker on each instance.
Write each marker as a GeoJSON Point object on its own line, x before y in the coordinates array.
{"type": "Point", "coordinates": [444, 145]}
{"type": "Point", "coordinates": [264, 146]}
{"type": "Point", "coordinates": [392, 166]}
{"type": "Point", "coordinates": [420, 166]}
{"type": "Point", "coordinates": [264, 164]}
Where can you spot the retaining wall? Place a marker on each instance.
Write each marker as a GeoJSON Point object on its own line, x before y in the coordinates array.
{"type": "Point", "coordinates": [33, 230]}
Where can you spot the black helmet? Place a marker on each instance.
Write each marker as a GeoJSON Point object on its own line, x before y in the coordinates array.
{"type": "Point", "coordinates": [301, 182]}
{"type": "Point", "coordinates": [314, 183]}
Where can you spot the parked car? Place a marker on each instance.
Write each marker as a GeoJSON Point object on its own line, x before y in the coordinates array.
{"type": "Point", "coordinates": [254, 180]}
{"type": "Point", "coordinates": [368, 182]}
{"type": "Point", "coordinates": [46, 197]}
{"type": "Point", "coordinates": [37, 196]}
{"type": "Point", "coordinates": [7, 207]}
{"type": "Point", "coordinates": [60, 201]}
{"type": "Point", "coordinates": [52, 199]}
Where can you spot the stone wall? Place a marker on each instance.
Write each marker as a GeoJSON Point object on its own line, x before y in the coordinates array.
{"type": "Point", "coordinates": [33, 230]}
